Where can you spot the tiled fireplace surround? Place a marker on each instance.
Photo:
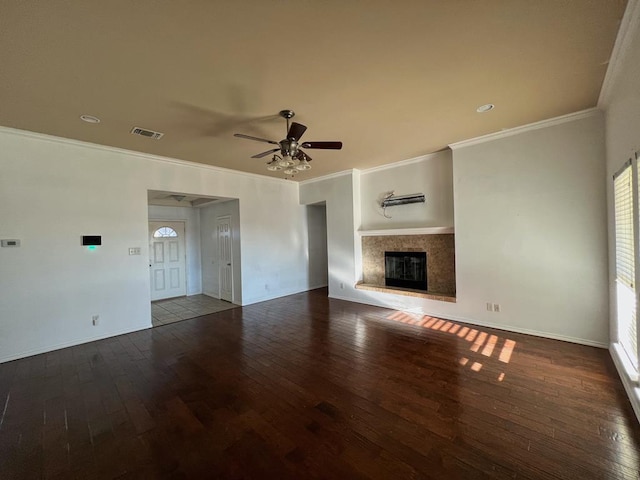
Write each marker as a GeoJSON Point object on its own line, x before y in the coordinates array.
{"type": "Point", "coordinates": [441, 272]}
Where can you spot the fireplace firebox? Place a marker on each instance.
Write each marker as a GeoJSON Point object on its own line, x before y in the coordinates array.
{"type": "Point", "coordinates": [406, 270]}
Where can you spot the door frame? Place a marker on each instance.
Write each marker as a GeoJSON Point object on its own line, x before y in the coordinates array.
{"type": "Point", "coordinates": [219, 262]}
{"type": "Point", "coordinates": [186, 263]}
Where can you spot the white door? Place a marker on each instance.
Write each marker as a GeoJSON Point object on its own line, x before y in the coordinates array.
{"type": "Point", "coordinates": [225, 263]}
{"type": "Point", "coordinates": [167, 260]}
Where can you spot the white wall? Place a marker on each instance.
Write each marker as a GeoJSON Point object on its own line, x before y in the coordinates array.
{"type": "Point", "coordinates": [209, 239]}
{"type": "Point", "coordinates": [191, 218]}
{"type": "Point", "coordinates": [530, 230]}
{"type": "Point", "coordinates": [341, 195]}
{"type": "Point", "coordinates": [53, 190]}
{"type": "Point", "coordinates": [431, 175]}
{"type": "Point", "coordinates": [621, 101]}
{"type": "Point", "coordinates": [530, 233]}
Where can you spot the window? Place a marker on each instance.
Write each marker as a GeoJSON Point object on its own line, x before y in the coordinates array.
{"type": "Point", "coordinates": [626, 210]}
{"type": "Point", "coordinates": [163, 232]}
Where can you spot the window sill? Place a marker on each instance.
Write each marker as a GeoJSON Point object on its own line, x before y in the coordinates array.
{"type": "Point", "coordinates": [630, 371]}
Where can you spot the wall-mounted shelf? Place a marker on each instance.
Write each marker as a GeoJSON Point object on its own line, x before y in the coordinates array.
{"type": "Point", "coordinates": [406, 231]}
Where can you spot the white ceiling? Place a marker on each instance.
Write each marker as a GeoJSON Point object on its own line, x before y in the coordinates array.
{"type": "Point", "coordinates": [391, 80]}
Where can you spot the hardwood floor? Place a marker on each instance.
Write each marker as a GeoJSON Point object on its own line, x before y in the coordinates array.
{"type": "Point", "coordinates": [307, 387]}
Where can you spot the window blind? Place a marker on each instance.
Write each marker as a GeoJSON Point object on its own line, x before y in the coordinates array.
{"type": "Point", "coordinates": [625, 262]}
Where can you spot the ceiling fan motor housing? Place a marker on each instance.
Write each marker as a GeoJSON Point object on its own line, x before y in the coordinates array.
{"type": "Point", "coordinates": [287, 114]}
{"type": "Point", "coordinates": [289, 148]}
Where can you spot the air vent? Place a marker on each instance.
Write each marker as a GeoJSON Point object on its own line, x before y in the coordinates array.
{"type": "Point", "coordinates": [143, 132]}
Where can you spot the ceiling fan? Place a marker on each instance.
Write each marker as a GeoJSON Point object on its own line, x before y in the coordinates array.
{"type": "Point", "coordinates": [293, 158]}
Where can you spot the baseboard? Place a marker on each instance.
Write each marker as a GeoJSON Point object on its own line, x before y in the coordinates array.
{"type": "Point", "coordinates": [349, 299]}
{"type": "Point", "coordinates": [525, 331]}
{"type": "Point", "coordinates": [633, 391]}
{"type": "Point", "coordinates": [285, 293]}
{"type": "Point", "coordinates": [535, 333]}
{"type": "Point", "coordinates": [506, 328]}
{"type": "Point", "coordinates": [71, 343]}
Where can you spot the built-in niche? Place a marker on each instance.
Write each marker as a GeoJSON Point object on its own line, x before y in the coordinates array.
{"type": "Point", "coordinates": [409, 208]}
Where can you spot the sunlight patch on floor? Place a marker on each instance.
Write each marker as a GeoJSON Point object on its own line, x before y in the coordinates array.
{"type": "Point", "coordinates": [481, 342]}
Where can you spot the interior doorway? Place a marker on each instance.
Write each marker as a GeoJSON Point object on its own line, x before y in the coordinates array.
{"type": "Point", "coordinates": [197, 215]}
{"type": "Point", "coordinates": [318, 262]}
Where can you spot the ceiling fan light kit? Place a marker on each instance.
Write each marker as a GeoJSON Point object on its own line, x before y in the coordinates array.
{"type": "Point", "coordinates": [274, 165]}
{"type": "Point", "coordinates": [286, 162]}
{"type": "Point", "coordinates": [303, 165]}
{"type": "Point", "coordinates": [292, 159]}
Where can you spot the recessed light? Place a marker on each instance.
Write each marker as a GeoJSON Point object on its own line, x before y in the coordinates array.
{"type": "Point", "coordinates": [89, 119]}
{"type": "Point", "coordinates": [485, 108]}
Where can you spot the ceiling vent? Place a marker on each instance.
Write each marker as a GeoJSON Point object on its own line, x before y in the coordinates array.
{"type": "Point", "coordinates": [143, 132]}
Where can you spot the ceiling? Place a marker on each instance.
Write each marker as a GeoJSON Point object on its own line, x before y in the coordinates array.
{"type": "Point", "coordinates": [391, 80]}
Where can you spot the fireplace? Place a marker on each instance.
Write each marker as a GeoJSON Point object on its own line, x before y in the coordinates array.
{"type": "Point", "coordinates": [406, 270]}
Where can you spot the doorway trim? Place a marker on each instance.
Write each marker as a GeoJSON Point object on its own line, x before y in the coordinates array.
{"type": "Point", "coordinates": [225, 265]}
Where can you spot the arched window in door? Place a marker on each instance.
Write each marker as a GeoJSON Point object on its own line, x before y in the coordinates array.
{"type": "Point", "coordinates": [164, 232]}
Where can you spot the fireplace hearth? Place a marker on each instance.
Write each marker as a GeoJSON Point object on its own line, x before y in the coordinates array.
{"type": "Point", "coordinates": [406, 270]}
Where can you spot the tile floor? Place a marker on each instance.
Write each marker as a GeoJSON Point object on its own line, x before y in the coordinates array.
{"type": "Point", "coordinates": [182, 308]}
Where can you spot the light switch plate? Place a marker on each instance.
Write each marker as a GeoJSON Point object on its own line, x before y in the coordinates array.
{"type": "Point", "coordinates": [134, 251]}
{"type": "Point", "coordinates": [10, 242]}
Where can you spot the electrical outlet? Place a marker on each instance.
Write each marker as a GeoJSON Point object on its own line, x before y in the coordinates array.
{"type": "Point", "coordinates": [95, 320]}
{"type": "Point", "coordinates": [489, 307]}
{"type": "Point", "coordinates": [496, 307]}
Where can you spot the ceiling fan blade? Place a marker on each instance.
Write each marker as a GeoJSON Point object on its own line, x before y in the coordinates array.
{"type": "Point", "coordinates": [242, 135]}
{"type": "Point", "coordinates": [303, 156]}
{"type": "Point", "coordinates": [324, 145]}
{"type": "Point", "coordinates": [264, 154]}
{"type": "Point", "coordinates": [296, 131]}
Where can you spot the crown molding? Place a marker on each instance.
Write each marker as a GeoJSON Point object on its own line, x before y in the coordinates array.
{"type": "Point", "coordinates": [402, 163]}
{"type": "Point", "coordinates": [376, 169]}
{"type": "Point", "coordinates": [628, 27]}
{"type": "Point", "coordinates": [133, 153]}
{"type": "Point", "coordinates": [526, 128]}
{"type": "Point", "coordinates": [328, 177]}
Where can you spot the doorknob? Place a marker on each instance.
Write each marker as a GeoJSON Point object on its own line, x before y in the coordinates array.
{"type": "Point", "coordinates": [228, 264]}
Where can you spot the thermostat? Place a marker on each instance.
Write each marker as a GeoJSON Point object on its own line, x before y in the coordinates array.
{"type": "Point", "coordinates": [10, 243]}
{"type": "Point", "coordinates": [91, 240]}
